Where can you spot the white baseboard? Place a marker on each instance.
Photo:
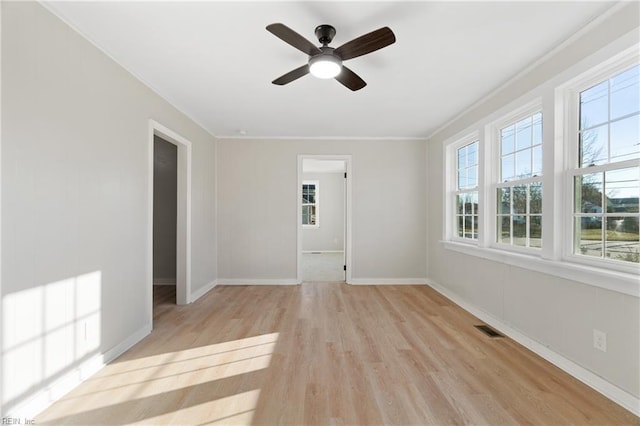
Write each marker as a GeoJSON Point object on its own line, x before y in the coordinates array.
{"type": "Point", "coordinates": [606, 388]}
{"type": "Point", "coordinates": [256, 281]}
{"type": "Point", "coordinates": [60, 387]}
{"type": "Point", "coordinates": [195, 295]}
{"type": "Point", "coordinates": [388, 281]}
{"type": "Point", "coordinates": [164, 281]}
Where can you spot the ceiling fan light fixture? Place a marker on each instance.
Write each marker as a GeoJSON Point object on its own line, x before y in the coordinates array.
{"type": "Point", "coordinates": [325, 66]}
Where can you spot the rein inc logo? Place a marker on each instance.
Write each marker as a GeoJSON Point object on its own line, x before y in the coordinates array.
{"type": "Point", "coordinates": [16, 421]}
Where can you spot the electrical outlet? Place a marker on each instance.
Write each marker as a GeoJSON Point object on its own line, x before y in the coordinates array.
{"type": "Point", "coordinates": [600, 340]}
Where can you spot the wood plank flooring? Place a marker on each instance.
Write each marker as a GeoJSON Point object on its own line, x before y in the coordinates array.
{"type": "Point", "coordinates": [328, 354]}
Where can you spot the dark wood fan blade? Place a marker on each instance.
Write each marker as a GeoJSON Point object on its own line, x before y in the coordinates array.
{"type": "Point", "coordinates": [366, 44]}
{"type": "Point", "coordinates": [350, 79]}
{"type": "Point", "coordinates": [292, 75]}
{"type": "Point", "coordinates": [287, 35]}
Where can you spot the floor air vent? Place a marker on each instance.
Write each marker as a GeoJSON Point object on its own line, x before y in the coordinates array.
{"type": "Point", "coordinates": [488, 330]}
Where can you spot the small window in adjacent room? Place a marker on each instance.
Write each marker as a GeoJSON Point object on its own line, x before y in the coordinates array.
{"type": "Point", "coordinates": [606, 178]}
{"type": "Point", "coordinates": [466, 193]}
{"type": "Point", "coordinates": [519, 190]}
{"type": "Point", "coordinates": [310, 204]}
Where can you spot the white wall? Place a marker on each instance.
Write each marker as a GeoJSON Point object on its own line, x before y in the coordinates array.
{"type": "Point", "coordinates": [165, 191]}
{"type": "Point", "coordinates": [257, 205]}
{"type": "Point", "coordinates": [329, 236]}
{"type": "Point", "coordinates": [557, 313]}
{"type": "Point", "coordinates": [75, 139]}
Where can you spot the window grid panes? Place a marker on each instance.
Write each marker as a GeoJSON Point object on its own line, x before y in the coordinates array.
{"type": "Point", "coordinates": [309, 204]}
{"type": "Point", "coordinates": [610, 120]}
{"type": "Point", "coordinates": [519, 218]}
{"type": "Point", "coordinates": [519, 190]}
{"type": "Point", "coordinates": [605, 213]}
{"type": "Point", "coordinates": [466, 196]}
{"type": "Point", "coordinates": [521, 149]}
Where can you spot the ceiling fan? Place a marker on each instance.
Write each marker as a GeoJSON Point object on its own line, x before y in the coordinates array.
{"type": "Point", "coordinates": [325, 61]}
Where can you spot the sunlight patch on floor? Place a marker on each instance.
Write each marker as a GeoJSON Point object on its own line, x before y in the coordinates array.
{"type": "Point", "coordinates": [177, 375]}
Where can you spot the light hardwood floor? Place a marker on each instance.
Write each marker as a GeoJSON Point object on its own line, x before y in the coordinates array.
{"type": "Point", "coordinates": [328, 354]}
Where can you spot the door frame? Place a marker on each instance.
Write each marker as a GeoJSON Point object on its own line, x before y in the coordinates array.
{"type": "Point", "coordinates": [183, 215]}
{"type": "Point", "coordinates": [347, 211]}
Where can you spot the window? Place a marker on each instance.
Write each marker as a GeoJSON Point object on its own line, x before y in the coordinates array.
{"type": "Point", "coordinates": [581, 204]}
{"type": "Point", "coordinates": [519, 190]}
{"type": "Point", "coordinates": [466, 193]}
{"type": "Point", "coordinates": [310, 204]}
{"type": "Point", "coordinates": [606, 178]}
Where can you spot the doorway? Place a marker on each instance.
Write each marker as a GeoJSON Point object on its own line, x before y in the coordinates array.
{"type": "Point", "coordinates": [323, 219]}
{"type": "Point", "coordinates": [169, 213]}
{"type": "Point", "coordinates": [165, 206]}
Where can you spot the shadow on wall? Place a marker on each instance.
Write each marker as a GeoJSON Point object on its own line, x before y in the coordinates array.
{"type": "Point", "coordinates": [50, 331]}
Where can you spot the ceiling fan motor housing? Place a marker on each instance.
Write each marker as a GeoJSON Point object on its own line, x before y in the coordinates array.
{"type": "Point", "coordinates": [325, 33]}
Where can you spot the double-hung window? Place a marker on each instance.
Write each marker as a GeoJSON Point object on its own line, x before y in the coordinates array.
{"type": "Point", "coordinates": [606, 172]}
{"type": "Point", "coordinates": [587, 125]}
{"type": "Point", "coordinates": [310, 204]}
{"type": "Point", "coordinates": [466, 191]}
{"type": "Point", "coordinates": [519, 187]}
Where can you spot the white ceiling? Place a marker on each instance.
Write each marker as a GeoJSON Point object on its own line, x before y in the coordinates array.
{"type": "Point", "coordinates": [215, 61]}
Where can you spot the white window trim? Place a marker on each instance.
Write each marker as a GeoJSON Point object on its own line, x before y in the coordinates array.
{"type": "Point", "coordinates": [317, 204]}
{"type": "Point", "coordinates": [567, 96]}
{"type": "Point", "coordinates": [450, 153]}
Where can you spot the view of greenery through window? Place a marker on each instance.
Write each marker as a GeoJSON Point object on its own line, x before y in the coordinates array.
{"type": "Point", "coordinates": [607, 184]}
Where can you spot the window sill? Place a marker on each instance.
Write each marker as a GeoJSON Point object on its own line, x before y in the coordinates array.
{"type": "Point", "coordinates": [621, 282]}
